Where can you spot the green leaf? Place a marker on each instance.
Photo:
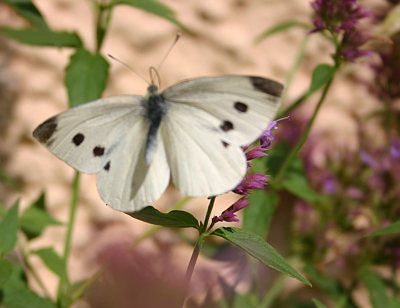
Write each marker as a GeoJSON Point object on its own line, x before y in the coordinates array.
{"type": "Point", "coordinates": [244, 300]}
{"type": "Point", "coordinates": [391, 229]}
{"type": "Point", "coordinates": [257, 217]}
{"type": "Point", "coordinates": [174, 219]}
{"type": "Point", "coordinates": [257, 247]}
{"type": "Point", "coordinates": [376, 289]}
{"type": "Point", "coordinates": [280, 27]}
{"type": "Point", "coordinates": [53, 261]}
{"type": "Point", "coordinates": [42, 37]}
{"type": "Point", "coordinates": [16, 293]}
{"type": "Point", "coordinates": [153, 7]}
{"type": "Point", "coordinates": [35, 219]}
{"type": "Point", "coordinates": [328, 284]}
{"type": "Point", "coordinates": [321, 75]}
{"type": "Point", "coordinates": [394, 302]}
{"type": "Point", "coordinates": [29, 11]}
{"type": "Point", "coordinates": [318, 304]}
{"type": "Point", "coordinates": [86, 76]}
{"type": "Point", "coordinates": [297, 184]}
{"type": "Point", "coordinates": [7, 180]}
{"type": "Point", "coordinates": [5, 272]}
{"type": "Point", "coordinates": [3, 210]}
{"type": "Point", "coordinates": [9, 229]}
{"type": "Point", "coordinates": [295, 180]}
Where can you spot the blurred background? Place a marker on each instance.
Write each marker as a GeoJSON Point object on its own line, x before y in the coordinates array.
{"type": "Point", "coordinates": [222, 41]}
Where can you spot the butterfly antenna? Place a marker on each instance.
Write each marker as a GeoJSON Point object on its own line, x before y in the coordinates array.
{"type": "Point", "coordinates": [177, 37]}
{"type": "Point", "coordinates": [129, 68]}
{"type": "Point", "coordinates": [154, 77]}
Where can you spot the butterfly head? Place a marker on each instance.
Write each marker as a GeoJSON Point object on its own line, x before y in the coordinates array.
{"type": "Point", "coordinates": [152, 90]}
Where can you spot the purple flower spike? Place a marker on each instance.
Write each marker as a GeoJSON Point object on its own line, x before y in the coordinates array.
{"type": "Point", "coordinates": [251, 181]}
{"type": "Point", "coordinates": [342, 17]}
{"type": "Point", "coordinates": [255, 152]}
{"type": "Point", "coordinates": [229, 214]}
{"type": "Point", "coordinates": [266, 137]}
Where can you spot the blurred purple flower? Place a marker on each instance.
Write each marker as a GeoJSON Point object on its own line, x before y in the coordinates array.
{"type": "Point", "coordinates": [369, 160]}
{"type": "Point", "coordinates": [342, 17]}
{"type": "Point", "coordinates": [229, 214]}
{"type": "Point", "coordinates": [337, 15]}
{"type": "Point", "coordinates": [137, 278]}
{"type": "Point", "coordinates": [386, 77]}
{"type": "Point", "coordinates": [352, 42]}
{"type": "Point", "coordinates": [329, 184]}
{"type": "Point", "coordinates": [395, 149]}
{"type": "Point", "coordinates": [305, 216]}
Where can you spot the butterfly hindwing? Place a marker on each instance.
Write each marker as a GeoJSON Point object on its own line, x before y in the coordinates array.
{"type": "Point", "coordinates": [127, 183]}
{"type": "Point", "coordinates": [201, 162]}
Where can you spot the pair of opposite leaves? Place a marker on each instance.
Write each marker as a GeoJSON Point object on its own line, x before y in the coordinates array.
{"type": "Point", "coordinates": [191, 132]}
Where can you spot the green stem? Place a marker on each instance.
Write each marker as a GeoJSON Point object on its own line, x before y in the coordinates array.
{"type": "Point", "coordinates": [295, 66]}
{"type": "Point", "coordinates": [208, 214]}
{"type": "Point", "coordinates": [297, 103]}
{"type": "Point", "coordinates": [196, 251]}
{"type": "Point", "coordinates": [193, 260]}
{"type": "Point", "coordinates": [295, 150]}
{"type": "Point", "coordinates": [190, 268]}
{"type": "Point", "coordinates": [102, 22]}
{"type": "Point", "coordinates": [64, 283]}
{"type": "Point", "coordinates": [34, 273]}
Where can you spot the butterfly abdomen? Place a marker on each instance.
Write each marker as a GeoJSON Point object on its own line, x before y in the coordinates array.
{"type": "Point", "coordinates": [156, 108]}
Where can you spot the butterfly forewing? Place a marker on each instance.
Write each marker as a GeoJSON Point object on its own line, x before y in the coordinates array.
{"type": "Point", "coordinates": [239, 106]}
{"type": "Point", "coordinates": [208, 120]}
{"type": "Point", "coordinates": [87, 135]}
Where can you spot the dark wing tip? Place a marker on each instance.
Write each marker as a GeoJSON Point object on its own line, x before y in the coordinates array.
{"type": "Point", "coordinates": [45, 130]}
{"type": "Point", "coordinates": [268, 86]}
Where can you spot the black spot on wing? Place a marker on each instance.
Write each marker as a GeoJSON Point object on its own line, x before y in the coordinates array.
{"type": "Point", "coordinates": [226, 126]}
{"type": "Point", "coordinates": [225, 144]}
{"type": "Point", "coordinates": [107, 166]}
{"type": "Point", "coordinates": [267, 86]}
{"type": "Point", "coordinates": [46, 130]}
{"type": "Point", "coordinates": [78, 139]}
{"type": "Point", "coordinates": [241, 107]}
{"type": "Point", "coordinates": [98, 151]}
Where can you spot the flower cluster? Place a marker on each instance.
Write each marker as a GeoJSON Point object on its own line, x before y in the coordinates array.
{"type": "Point", "coordinates": [341, 17]}
{"type": "Point", "coordinates": [359, 193]}
{"type": "Point", "coordinates": [252, 180]}
{"type": "Point", "coordinates": [337, 15]}
{"type": "Point", "coordinates": [386, 84]}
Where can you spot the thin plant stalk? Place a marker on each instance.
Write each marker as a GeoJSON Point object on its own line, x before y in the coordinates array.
{"type": "Point", "coordinates": [28, 266]}
{"type": "Point", "coordinates": [295, 67]}
{"type": "Point", "coordinates": [285, 165]}
{"type": "Point", "coordinates": [196, 251]}
{"type": "Point", "coordinates": [70, 227]}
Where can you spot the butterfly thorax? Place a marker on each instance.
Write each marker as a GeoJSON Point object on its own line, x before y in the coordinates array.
{"type": "Point", "coordinates": [156, 108]}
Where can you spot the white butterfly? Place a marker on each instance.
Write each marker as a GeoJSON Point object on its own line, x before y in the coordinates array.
{"type": "Point", "coordinates": [191, 132]}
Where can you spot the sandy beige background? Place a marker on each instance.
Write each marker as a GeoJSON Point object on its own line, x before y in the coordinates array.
{"type": "Point", "coordinates": [31, 84]}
